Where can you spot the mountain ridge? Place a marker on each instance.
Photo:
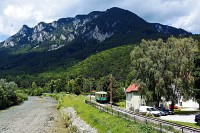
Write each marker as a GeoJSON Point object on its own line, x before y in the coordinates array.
{"type": "Point", "coordinates": [69, 40]}
{"type": "Point", "coordinates": [91, 26]}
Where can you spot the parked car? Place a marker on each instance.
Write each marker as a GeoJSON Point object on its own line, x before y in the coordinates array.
{"type": "Point", "coordinates": [149, 110]}
{"type": "Point", "coordinates": [175, 107]}
{"type": "Point", "coordinates": [197, 118]}
{"type": "Point", "coordinates": [167, 111]}
{"type": "Point", "coordinates": [163, 113]}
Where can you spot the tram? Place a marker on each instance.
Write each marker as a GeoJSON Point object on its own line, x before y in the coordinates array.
{"type": "Point", "coordinates": [101, 96]}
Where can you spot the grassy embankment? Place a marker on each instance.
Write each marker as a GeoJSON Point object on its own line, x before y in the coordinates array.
{"type": "Point", "coordinates": [103, 122]}
{"type": "Point", "coordinates": [181, 112]}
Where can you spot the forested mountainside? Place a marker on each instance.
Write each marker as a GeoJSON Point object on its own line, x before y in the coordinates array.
{"type": "Point", "coordinates": [61, 43]}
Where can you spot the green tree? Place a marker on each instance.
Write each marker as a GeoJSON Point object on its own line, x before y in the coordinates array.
{"type": "Point", "coordinates": [79, 81]}
{"type": "Point", "coordinates": [87, 85]}
{"type": "Point", "coordinates": [197, 76]}
{"type": "Point", "coordinates": [51, 85]}
{"type": "Point", "coordinates": [104, 85]}
{"type": "Point", "coordinates": [58, 85]}
{"type": "Point", "coordinates": [163, 69]}
{"type": "Point", "coordinates": [70, 85]}
{"type": "Point", "coordinates": [34, 86]}
{"type": "Point", "coordinates": [9, 95]}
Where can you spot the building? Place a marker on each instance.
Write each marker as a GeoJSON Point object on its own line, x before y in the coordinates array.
{"type": "Point", "coordinates": [187, 104]}
{"type": "Point", "coordinates": [133, 99]}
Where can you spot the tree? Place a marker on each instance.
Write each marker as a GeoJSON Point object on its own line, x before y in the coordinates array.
{"type": "Point", "coordinates": [197, 76]}
{"type": "Point", "coordinates": [79, 82]}
{"type": "Point", "coordinates": [104, 85]}
{"type": "Point", "coordinates": [59, 86]}
{"type": "Point", "coordinates": [34, 86]}
{"type": "Point", "coordinates": [77, 89]}
{"type": "Point", "coordinates": [51, 86]}
{"type": "Point", "coordinates": [9, 95]}
{"type": "Point", "coordinates": [163, 69]}
{"type": "Point", "coordinates": [70, 85]}
{"type": "Point", "coordinates": [87, 85]}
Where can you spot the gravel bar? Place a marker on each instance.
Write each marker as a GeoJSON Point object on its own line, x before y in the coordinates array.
{"type": "Point", "coordinates": [36, 115]}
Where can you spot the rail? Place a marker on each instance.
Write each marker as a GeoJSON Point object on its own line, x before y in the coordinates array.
{"type": "Point", "coordinates": [161, 125]}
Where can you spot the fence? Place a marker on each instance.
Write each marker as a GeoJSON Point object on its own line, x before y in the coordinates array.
{"type": "Point", "coordinates": [161, 125]}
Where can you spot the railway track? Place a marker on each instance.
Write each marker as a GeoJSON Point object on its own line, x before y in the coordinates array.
{"type": "Point", "coordinates": [183, 129]}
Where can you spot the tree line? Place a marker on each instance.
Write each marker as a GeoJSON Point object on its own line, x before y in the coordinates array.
{"type": "Point", "coordinates": [79, 85]}
{"type": "Point", "coordinates": [162, 68]}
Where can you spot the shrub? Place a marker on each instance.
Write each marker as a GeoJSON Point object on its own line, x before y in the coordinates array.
{"type": "Point", "coordinates": [9, 94]}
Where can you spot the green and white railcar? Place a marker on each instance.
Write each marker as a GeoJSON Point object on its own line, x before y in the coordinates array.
{"type": "Point", "coordinates": [101, 96]}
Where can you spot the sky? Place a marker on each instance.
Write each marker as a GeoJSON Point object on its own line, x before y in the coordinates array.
{"type": "Point", "coordinates": [183, 14]}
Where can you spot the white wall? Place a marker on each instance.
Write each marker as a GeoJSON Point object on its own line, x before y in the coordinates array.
{"type": "Point", "coordinates": [128, 100]}
{"type": "Point", "coordinates": [189, 103]}
{"type": "Point", "coordinates": [133, 100]}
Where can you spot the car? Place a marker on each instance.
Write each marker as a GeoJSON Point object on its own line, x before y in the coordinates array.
{"type": "Point", "coordinates": [156, 112]}
{"type": "Point", "coordinates": [197, 118]}
{"type": "Point", "coordinates": [175, 107]}
{"type": "Point", "coordinates": [163, 113]}
{"type": "Point", "coordinates": [149, 110]}
{"type": "Point", "coordinates": [167, 111]}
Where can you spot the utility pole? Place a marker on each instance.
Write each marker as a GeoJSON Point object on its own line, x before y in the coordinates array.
{"type": "Point", "coordinates": [111, 91]}
{"type": "Point", "coordinates": [90, 91]}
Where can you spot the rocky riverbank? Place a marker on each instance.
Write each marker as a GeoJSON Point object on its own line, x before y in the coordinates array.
{"type": "Point", "coordinates": [74, 123]}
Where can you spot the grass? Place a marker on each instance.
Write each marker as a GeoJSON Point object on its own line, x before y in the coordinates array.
{"type": "Point", "coordinates": [102, 121]}
{"type": "Point", "coordinates": [179, 112]}
{"type": "Point", "coordinates": [121, 104]}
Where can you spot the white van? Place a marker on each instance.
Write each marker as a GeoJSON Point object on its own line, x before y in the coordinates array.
{"type": "Point", "coordinates": [149, 110]}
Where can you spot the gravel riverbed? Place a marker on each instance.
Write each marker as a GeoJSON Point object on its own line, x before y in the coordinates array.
{"type": "Point", "coordinates": [36, 115]}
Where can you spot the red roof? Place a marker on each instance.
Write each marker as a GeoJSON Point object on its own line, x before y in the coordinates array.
{"type": "Point", "coordinates": [132, 87]}
{"type": "Point", "coordinates": [93, 91]}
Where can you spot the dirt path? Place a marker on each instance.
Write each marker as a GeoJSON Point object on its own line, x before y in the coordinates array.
{"type": "Point", "coordinates": [37, 115]}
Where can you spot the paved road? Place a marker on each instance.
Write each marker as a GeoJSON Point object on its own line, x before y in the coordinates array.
{"type": "Point", "coordinates": [182, 118]}
{"type": "Point", "coordinates": [37, 115]}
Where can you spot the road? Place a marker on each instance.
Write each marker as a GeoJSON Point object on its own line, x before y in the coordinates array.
{"type": "Point", "coordinates": [181, 118]}
{"type": "Point", "coordinates": [36, 115]}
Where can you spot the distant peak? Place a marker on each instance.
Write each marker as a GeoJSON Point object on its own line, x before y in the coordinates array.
{"type": "Point", "coordinates": [94, 13]}
{"type": "Point", "coordinates": [117, 9]}
{"type": "Point", "coordinates": [25, 27]}
{"type": "Point", "coordinates": [42, 23]}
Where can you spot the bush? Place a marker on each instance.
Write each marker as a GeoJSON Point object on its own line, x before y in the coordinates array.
{"type": "Point", "coordinates": [21, 97]}
{"type": "Point", "coordinates": [149, 115]}
{"type": "Point", "coordinates": [10, 95]}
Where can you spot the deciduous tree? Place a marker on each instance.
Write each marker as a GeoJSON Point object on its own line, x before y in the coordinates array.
{"type": "Point", "coordinates": [164, 69]}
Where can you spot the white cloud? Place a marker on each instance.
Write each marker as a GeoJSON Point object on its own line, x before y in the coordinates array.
{"type": "Point", "coordinates": [179, 13]}
{"type": "Point", "coordinates": [18, 12]}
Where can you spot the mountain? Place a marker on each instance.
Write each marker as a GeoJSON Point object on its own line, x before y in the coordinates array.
{"type": "Point", "coordinates": [100, 65]}
{"type": "Point", "coordinates": [95, 26]}
{"type": "Point", "coordinates": [67, 41]}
